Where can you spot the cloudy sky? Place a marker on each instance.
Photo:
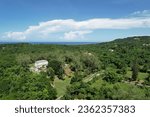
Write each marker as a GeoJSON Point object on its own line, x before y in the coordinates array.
{"type": "Point", "coordinates": [73, 20]}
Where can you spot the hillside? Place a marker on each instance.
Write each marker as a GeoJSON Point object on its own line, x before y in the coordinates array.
{"type": "Point", "coordinates": [119, 69]}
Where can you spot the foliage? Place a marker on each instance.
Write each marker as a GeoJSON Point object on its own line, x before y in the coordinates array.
{"type": "Point", "coordinates": [130, 58]}
{"type": "Point", "coordinates": [57, 67]}
{"type": "Point", "coordinates": [51, 73]}
{"type": "Point", "coordinates": [111, 76]}
{"type": "Point", "coordinates": [147, 79]}
{"type": "Point", "coordinates": [76, 78]}
{"type": "Point", "coordinates": [134, 70]}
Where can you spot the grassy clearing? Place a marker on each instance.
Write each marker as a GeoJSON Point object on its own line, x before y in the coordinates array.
{"type": "Point", "coordinates": [141, 76]}
{"type": "Point", "coordinates": [61, 85]}
{"type": "Point", "coordinates": [97, 83]}
{"type": "Point", "coordinates": [94, 75]}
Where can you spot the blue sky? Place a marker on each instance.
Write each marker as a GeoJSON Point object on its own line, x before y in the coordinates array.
{"type": "Point", "coordinates": [73, 20]}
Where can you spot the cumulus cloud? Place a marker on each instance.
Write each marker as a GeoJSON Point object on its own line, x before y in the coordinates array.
{"type": "Point", "coordinates": [75, 34]}
{"type": "Point", "coordinates": [15, 35]}
{"type": "Point", "coordinates": [143, 14]}
{"type": "Point", "coordinates": [72, 29]}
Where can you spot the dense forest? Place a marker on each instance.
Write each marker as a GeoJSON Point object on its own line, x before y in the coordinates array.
{"type": "Point", "coordinates": [114, 70]}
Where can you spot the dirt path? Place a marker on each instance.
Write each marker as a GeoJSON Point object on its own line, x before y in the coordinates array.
{"type": "Point", "coordinates": [59, 97]}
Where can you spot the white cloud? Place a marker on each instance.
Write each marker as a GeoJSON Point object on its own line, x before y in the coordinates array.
{"type": "Point", "coordinates": [143, 14]}
{"type": "Point", "coordinates": [75, 34]}
{"type": "Point", "coordinates": [15, 35]}
{"type": "Point", "coordinates": [71, 29]}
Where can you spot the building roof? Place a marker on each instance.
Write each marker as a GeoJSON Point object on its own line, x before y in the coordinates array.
{"type": "Point", "coordinates": [41, 62]}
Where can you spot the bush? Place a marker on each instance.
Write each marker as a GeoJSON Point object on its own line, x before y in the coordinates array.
{"type": "Point", "coordinates": [57, 67]}
{"type": "Point", "coordinates": [111, 76]}
{"type": "Point", "coordinates": [147, 80]}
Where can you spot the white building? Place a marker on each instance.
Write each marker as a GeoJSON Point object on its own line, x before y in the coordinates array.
{"type": "Point", "coordinates": [111, 50]}
{"type": "Point", "coordinates": [40, 65]}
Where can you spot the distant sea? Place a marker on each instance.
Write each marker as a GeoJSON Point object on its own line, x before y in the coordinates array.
{"type": "Point", "coordinates": [53, 43]}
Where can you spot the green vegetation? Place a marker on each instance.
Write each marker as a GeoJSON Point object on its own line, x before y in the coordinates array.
{"type": "Point", "coordinates": [61, 86]}
{"type": "Point", "coordinates": [119, 69]}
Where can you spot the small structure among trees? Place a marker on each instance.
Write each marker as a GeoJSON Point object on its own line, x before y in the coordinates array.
{"type": "Point", "coordinates": [40, 65]}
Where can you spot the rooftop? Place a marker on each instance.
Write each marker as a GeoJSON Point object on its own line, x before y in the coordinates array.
{"type": "Point", "coordinates": [41, 61]}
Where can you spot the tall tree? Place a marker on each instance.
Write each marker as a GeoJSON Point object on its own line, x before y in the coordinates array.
{"type": "Point", "coordinates": [135, 70]}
